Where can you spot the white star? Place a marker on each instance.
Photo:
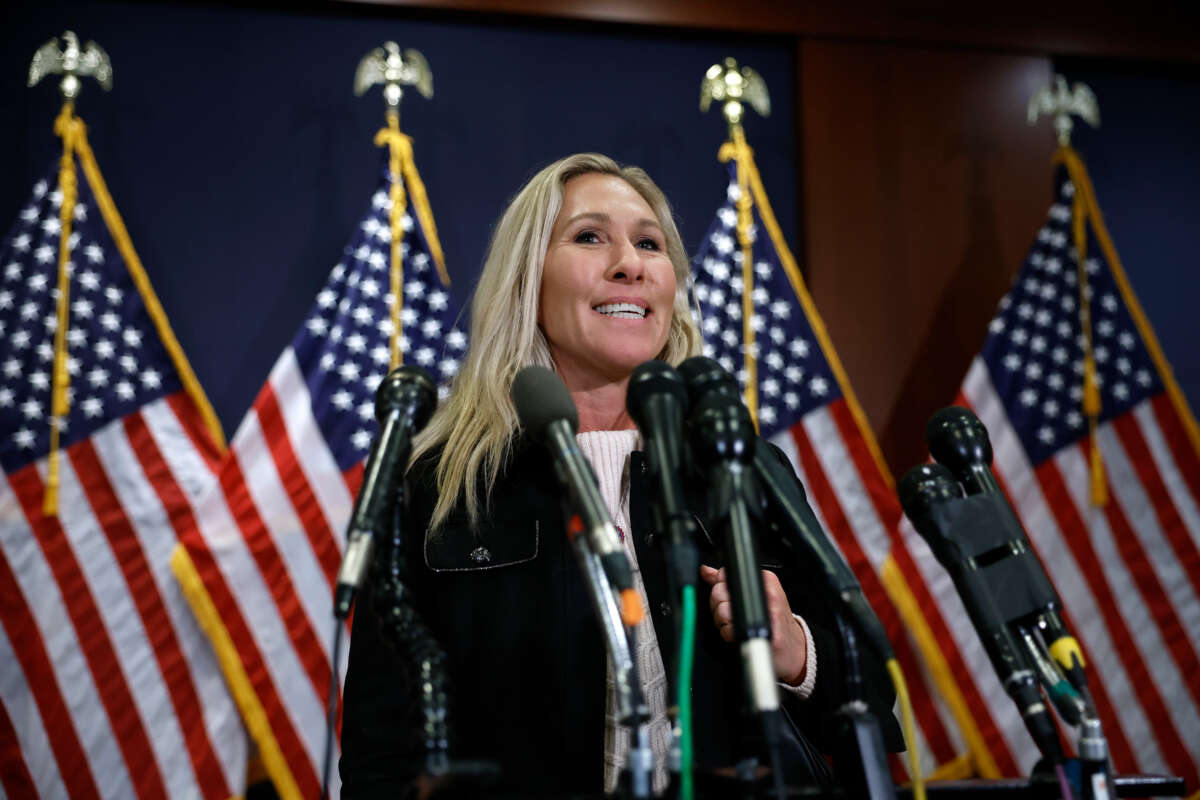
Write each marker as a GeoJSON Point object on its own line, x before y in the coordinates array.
{"type": "Point", "coordinates": [76, 337]}
{"type": "Point", "coordinates": [335, 333]}
{"type": "Point", "coordinates": [770, 387]}
{"type": "Point", "coordinates": [798, 348]}
{"type": "Point", "coordinates": [37, 282]}
{"type": "Point", "coordinates": [726, 363]}
{"type": "Point", "coordinates": [1012, 362]}
{"type": "Point", "coordinates": [425, 356]}
{"type": "Point", "coordinates": [132, 337]}
{"type": "Point", "coordinates": [1050, 408]}
{"type": "Point", "coordinates": [355, 343]}
{"type": "Point", "coordinates": [729, 338]}
{"type": "Point", "coordinates": [1101, 354]}
{"type": "Point", "coordinates": [1074, 419]}
{"type": "Point", "coordinates": [1028, 398]}
{"type": "Point", "coordinates": [1053, 265]}
{"type": "Point", "coordinates": [760, 296]}
{"type": "Point", "coordinates": [51, 323]}
{"type": "Point", "coordinates": [110, 321]}
{"type": "Point", "coordinates": [380, 201]}
{"type": "Point", "coordinates": [24, 439]}
{"type": "Point", "coordinates": [326, 298]}
{"type": "Point", "coordinates": [1123, 365]}
{"type": "Point", "coordinates": [1063, 329]}
{"type": "Point", "coordinates": [766, 415]}
{"type": "Point", "coordinates": [32, 409]}
{"type": "Point", "coordinates": [1033, 371]}
{"type": "Point", "coordinates": [370, 225]}
{"type": "Point", "coordinates": [92, 407]}
{"type": "Point", "coordinates": [98, 377]}
{"type": "Point", "coordinates": [128, 363]}
{"type": "Point", "coordinates": [793, 374]}
{"type": "Point", "coordinates": [456, 339]}
{"type": "Point", "coordinates": [727, 216]}
{"type": "Point", "coordinates": [763, 270]}
{"type": "Point", "coordinates": [716, 297]}
{"type": "Point", "coordinates": [376, 260]}
{"type": "Point", "coordinates": [12, 368]}
{"type": "Point", "coordinates": [12, 271]}
{"type": "Point", "coordinates": [1055, 381]}
{"type": "Point", "coordinates": [51, 226]}
{"type": "Point", "coordinates": [94, 254]}
{"type": "Point", "coordinates": [774, 360]}
{"type": "Point", "coordinates": [82, 309]}
{"type": "Point", "coordinates": [39, 381]}
{"type": "Point", "coordinates": [1143, 377]}
{"type": "Point", "coordinates": [326, 361]}
{"type": "Point", "coordinates": [6, 397]}
{"type": "Point", "coordinates": [317, 326]}
{"type": "Point", "coordinates": [361, 439]}
{"type": "Point", "coordinates": [80, 212]}
{"type": "Point", "coordinates": [408, 317]}
{"type": "Point", "coordinates": [105, 349]}
{"type": "Point", "coordinates": [125, 390]}
{"type": "Point", "coordinates": [380, 355]}
{"type": "Point", "coordinates": [1043, 318]}
{"type": "Point", "coordinates": [818, 386]}
{"type": "Point", "coordinates": [711, 325]}
{"type": "Point", "coordinates": [777, 335]}
{"type": "Point", "coordinates": [420, 262]}
{"type": "Point", "coordinates": [1019, 336]}
{"type": "Point", "coordinates": [1059, 354]}
{"type": "Point", "coordinates": [414, 290]}
{"type": "Point", "coordinates": [366, 410]}
{"type": "Point", "coordinates": [720, 271]}
{"type": "Point", "coordinates": [20, 339]}
{"type": "Point", "coordinates": [723, 242]}
{"type": "Point", "coordinates": [349, 371]}
{"type": "Point", "coordinates": [431, 328]}
{"type": "Point", "coordinates": [372, 381]}
{"type": "Point", "coordinates": [45, 351]}
{"type": "Point", "coordinates": [448, 367]}
{"type": "Point", "coordinates": [362, 315]}
{"type": "Point", "coordinates": [438, 301]}
{"type": "Point", "coordinates": [996, 325]}
{"type": "Point", "coordinates": [1120, 391]}
{"type": "Point", "coordinates": [151, 379]}
{"type": "Point", "coordinates": [1037, 344]}
{"type": "Point", "coordinates": [1025, 311]}
{"type": "Point", "coordinates": [791, 400]}
{"type": "Point", "coordinates": [1046, 434]}
{"type": "Point", "coordinates": [44, 254]}
{"type": "Point", "coordinates": [369, 288]}
{"type": "Point", "coordinates": [113, 295]}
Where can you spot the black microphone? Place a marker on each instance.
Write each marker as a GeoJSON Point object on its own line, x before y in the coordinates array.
{"type": "Point", "coordinates": [933, 502]}
{"type": "Point", "coordinates": [548, 413]}
{"type": "Point", "coordinates": [801, 531]}
{"type": "Point", "coordinates": [404, 402]}
{"type": "Point", "coordinates": [657, 400]}
{"type": "Point", "coordinates": [959, 441]}
{"type": "Point", "coordinates": [723, 440]}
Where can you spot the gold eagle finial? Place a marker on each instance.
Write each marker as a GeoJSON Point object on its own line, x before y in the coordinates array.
{"type": "Point", "coordinates": [387, 66]}
{"type": "Point", "coordinates": [73, 63]}
{"type": "Point", "coordinates": [734, 88]}
{"type": "Point", "coordinates": [1061, 103]}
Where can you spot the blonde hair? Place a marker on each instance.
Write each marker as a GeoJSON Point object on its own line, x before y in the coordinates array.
{"type": "Point", "coordinates": [474, 427]}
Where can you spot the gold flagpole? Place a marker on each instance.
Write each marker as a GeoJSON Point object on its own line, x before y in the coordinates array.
{"type": "Point", "coordinates": [394, 70]}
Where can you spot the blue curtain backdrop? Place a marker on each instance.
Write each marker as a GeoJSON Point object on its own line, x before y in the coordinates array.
{"type": "Point", "coordinates": [240, 158]}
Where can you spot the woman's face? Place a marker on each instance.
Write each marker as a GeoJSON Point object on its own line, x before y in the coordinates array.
{"type": "Point", "coordinates": [608, 287]}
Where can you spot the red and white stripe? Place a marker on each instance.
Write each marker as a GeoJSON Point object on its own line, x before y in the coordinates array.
{"type": "Point", "coordinates": [110, 688]}
{"type": "Point", "coordinates": [1128, 575]}
{"type": "Point", "coordinates": [267, 544]}
{"type": "Point", "coordinates": [856, 507]}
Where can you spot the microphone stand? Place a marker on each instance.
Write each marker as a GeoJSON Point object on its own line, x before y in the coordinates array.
{"type": "Point", "coordinates": [862, 766]}
{"type": "Point", "coordinates": [619, 641]}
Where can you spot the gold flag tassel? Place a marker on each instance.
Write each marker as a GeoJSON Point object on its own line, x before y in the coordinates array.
{"type": "Point", "coordinates": [1083, 208]}
{"type": "Point", "coordinates": [738, 150]}
{"type": "Point", "coordinates": [71, 130]}
{"type": "Point", "coordinates": [404, 170]}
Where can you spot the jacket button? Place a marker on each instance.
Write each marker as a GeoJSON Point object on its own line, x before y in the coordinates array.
{"type": "Point", "coordinates": [481, 555]}
{"type": "Point", "coordinates": [664, 608]}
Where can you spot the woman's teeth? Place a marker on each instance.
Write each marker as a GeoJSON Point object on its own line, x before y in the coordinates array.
{"type": "Point", "coordinates": [622, 310]}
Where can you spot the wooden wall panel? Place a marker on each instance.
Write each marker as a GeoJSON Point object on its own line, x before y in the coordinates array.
{"type": "Point", "coordinates": [922, 189]}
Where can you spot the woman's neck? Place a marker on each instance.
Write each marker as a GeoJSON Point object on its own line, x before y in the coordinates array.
{"type": "Point", "coordinates": [602, 407]}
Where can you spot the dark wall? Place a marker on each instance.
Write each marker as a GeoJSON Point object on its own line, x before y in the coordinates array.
{"type": "Point", "coordinates": [240, 159]}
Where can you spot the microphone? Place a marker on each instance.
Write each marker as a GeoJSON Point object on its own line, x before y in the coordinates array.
{"type": "Point", "coordinates": [932, 500]}
{"type": "Point", "coordinates": [801, 531]}
{"type": "Point", "coordinates": [723, 440]}
{"type": "Point", "coordinates": [404, 402]}
{"type": "Point", "coordinates": [657, 399]}
{"type": "Point", "coordinates": [959, 441]}
{"type": "Point", "coordinates": [546, 410]}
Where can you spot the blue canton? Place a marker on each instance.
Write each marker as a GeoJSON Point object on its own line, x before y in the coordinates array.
{"type": "Point", "coordinates": [793, 375]}
{"type": "Point", "coordinates": [343, 347]}
{"type": "Point", "coordinates": [115, 358]}
{"type": "Point", "coordinates": [1034, 347]}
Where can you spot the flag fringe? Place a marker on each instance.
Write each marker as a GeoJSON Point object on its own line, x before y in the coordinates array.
{"type": "Point", "coordinates": [1077, 170]}
{"type": "Point", "coordinates": [894, 582]}
{"type": "Point", "coordinates": [253, 714]}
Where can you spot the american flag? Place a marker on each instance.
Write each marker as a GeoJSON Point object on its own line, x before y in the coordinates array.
{"type": "Point", "coordinates": [268, 542]}
{"type": "Point", "coordinates": [1128, 571]}
{"type": "Point", "coordinates": [805, 406]}
{"type": "Point", "coordinates": [108, 687]}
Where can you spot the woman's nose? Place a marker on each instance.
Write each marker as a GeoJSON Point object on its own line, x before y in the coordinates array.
{"type": "Point", "coordinates": [627, 266]}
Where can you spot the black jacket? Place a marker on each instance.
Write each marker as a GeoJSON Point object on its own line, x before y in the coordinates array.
{"type": "Point", "coordinates": [526, 656]}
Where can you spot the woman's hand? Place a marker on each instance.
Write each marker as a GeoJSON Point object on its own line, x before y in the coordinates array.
{"type": "Point", "coordinates": [788, 649]}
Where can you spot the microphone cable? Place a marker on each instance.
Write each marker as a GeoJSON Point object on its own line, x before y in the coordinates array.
{"type": "Point", "coordinates": [683, 686]}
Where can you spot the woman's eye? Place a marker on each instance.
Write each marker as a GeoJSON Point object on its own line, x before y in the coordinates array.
{"type": "Point", "coordinates": [587, 237]}
{"type": "Point", "coordinates": [649, 244]}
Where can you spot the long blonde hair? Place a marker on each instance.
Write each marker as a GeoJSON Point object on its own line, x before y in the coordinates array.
{"type": "Point", "coordinates": [474, 427]}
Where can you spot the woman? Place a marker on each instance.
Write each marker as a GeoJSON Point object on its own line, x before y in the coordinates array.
{"type": "Point", "coordinates": [586, 275]}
